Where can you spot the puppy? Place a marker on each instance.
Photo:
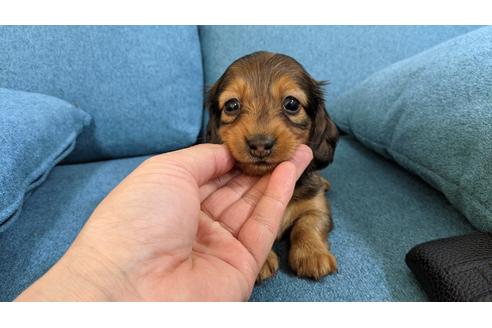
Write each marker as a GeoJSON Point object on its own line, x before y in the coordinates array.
{"type": "Point", "coordinates": [262, 108]}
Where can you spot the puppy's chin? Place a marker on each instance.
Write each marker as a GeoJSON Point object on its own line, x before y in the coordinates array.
{"type": "Point", "coordinates": [257, 169]}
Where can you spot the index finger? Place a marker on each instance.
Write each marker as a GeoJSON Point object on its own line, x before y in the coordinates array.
{"type": "Point", "coordinates": [204, 162]}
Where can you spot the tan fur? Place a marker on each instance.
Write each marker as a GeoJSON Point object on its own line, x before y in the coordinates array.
{"type": "Point", "coordinates": [285, 86]}
{"type": "Point", "coordinates": [309, 255]}
{"type": "Point", "coordinates": [258, 95]}
{"type": "Point", "coordinates": [326, 184]}
{"type": "Point", "coordinates": [269, 268]}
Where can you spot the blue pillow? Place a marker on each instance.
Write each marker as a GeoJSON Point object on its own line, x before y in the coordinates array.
{"type": "Point", "coordinates": [432, 113]}
{"type": "Point", "coordinates": [142, 85]}
{"type": "Point", "coordinates": [36, 132]}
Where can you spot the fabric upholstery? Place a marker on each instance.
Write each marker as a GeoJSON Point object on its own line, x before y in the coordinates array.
{"type": "Point", "coordinates": [36, 132]}
{"type": "Point", "coordinates": [343, 55]}
{"type": "Point", "coordinates": [432, 113]}
{"type": "Point", "coordinates": [142, 85]}
{"type": "Point", "coordinates": [380, 211]}
{"type": "Point", "coordinates": [51, 219]}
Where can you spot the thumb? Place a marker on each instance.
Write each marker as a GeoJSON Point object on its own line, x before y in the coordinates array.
{"type": "Point", "coordinates": [260, 230]}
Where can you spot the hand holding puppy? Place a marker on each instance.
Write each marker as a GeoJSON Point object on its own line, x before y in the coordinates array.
{"type": "Point", "coordinates": [183, 226]}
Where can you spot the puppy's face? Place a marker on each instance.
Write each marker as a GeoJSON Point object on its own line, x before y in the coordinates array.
{"type": "Point", "coordinates": [263, 107]}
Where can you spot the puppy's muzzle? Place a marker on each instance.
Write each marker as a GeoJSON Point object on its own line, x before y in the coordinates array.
{"type": "Point", "coordinates": [260, 145]}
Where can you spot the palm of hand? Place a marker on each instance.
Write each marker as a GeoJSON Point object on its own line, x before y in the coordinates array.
{"type": "Point", "coordinates": [201, 258]}
{"type": "Point", "coordinates": [204, 235]}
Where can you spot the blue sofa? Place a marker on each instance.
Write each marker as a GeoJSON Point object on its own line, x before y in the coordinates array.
{"type": "Point", "coordinates": [143, 88]}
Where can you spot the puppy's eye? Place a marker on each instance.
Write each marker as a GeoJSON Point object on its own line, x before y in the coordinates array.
{"type": "Point", "coordinates": [232, 106]}
{"type": "Point", "coordinates": [291, 105]}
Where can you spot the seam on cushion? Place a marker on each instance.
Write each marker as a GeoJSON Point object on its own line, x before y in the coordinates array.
{"type": "Point", "coordinates": [33, 180]}
{"type": "Point", "coordinates": [344, 128]}
{"type": "Point", "coordinates": [429, 172]}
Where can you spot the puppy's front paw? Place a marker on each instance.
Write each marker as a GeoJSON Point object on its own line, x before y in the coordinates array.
{"type": "Point", "coordinates": [312, 263]}
{"type": "Point", "coordinates": [269, 268]}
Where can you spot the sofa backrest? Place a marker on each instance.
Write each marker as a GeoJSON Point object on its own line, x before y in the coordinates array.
{"type": "Point", "coordinates": [142, 86]}
{"type": "Point", "coordinates": [343, 55]}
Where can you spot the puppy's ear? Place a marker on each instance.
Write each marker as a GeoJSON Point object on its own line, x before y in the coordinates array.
{"type": "Point", "coordinates": [324, 133]}
{"type": "Point", "coordinates": [212, 105]}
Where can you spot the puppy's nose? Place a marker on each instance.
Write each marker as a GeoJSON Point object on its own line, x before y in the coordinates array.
{"type": "Point", "coordinates": [260, 145]}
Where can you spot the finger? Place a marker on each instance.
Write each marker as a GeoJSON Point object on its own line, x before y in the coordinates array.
{"type": "Point", "coordinates": [217, 183]}
{"type": "Point", "coordinates": [236, 214]}
{"type": "Point", "coordinates": [260, 230]}
{"type": "Point", "coordinates": [233, 190]}
{"type": "Point", "coordinates": [301, 159]}
{"type": "Point", "coordinates": [204, 162]}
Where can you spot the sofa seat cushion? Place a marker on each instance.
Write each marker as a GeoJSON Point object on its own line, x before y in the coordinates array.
{"type": "Point", "coordinates": [142, 85]}
{"type": "Point", "coordinates": [51, 219]}
{"type": "Point", "coordinates": [380, 211]}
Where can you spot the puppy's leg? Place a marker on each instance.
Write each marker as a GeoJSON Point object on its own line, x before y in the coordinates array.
{"type": "Point", "coordinates": [309, 253]}
{"type": "Point", "coordinates": [269, 268]}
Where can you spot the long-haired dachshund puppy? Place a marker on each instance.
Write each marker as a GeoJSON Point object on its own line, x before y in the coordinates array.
{"type": "Point", "coordinates": [262, 108]}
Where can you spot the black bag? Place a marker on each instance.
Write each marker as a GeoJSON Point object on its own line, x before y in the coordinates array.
{"type": "Point", "coordinates": [454, 269]}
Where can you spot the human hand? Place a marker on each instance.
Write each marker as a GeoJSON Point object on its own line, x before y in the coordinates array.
{"type": "Point", "coordinates": [182, 226]}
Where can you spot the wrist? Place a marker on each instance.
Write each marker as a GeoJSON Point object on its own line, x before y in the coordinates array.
{"type": "Point", "coordinates": [78, 276]}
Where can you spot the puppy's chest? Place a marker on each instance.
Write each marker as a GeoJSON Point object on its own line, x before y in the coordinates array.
{"type": "Point", "coordinates": [309, 197]}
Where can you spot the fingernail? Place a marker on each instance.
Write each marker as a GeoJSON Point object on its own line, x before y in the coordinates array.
{"type": "Point", "coordinates": [301, 158]}
{"type": "Point", "coordinates": [304, 149]}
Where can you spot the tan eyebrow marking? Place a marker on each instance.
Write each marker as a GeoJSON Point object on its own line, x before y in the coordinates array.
{"type": "Point", "coordinates": [235, 89]}
{"type": "Point", "coordinates": [286, 86]}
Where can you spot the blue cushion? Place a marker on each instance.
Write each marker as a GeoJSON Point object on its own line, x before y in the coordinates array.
{"type": "Point", "coordinates": [51, 219]}
{"type": "Point", "coordinates": [142, 85]}
{"type": "Point", "coordinates": [36, 132]}
{"type": "Point", "coordinates": [432, 113]}
{"type": "Point", "coordinates": [374, 228]}
{"type": "Point", "coordinates": [380, 211]}
{"type": "Point", "coordinates": [343, 55]}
